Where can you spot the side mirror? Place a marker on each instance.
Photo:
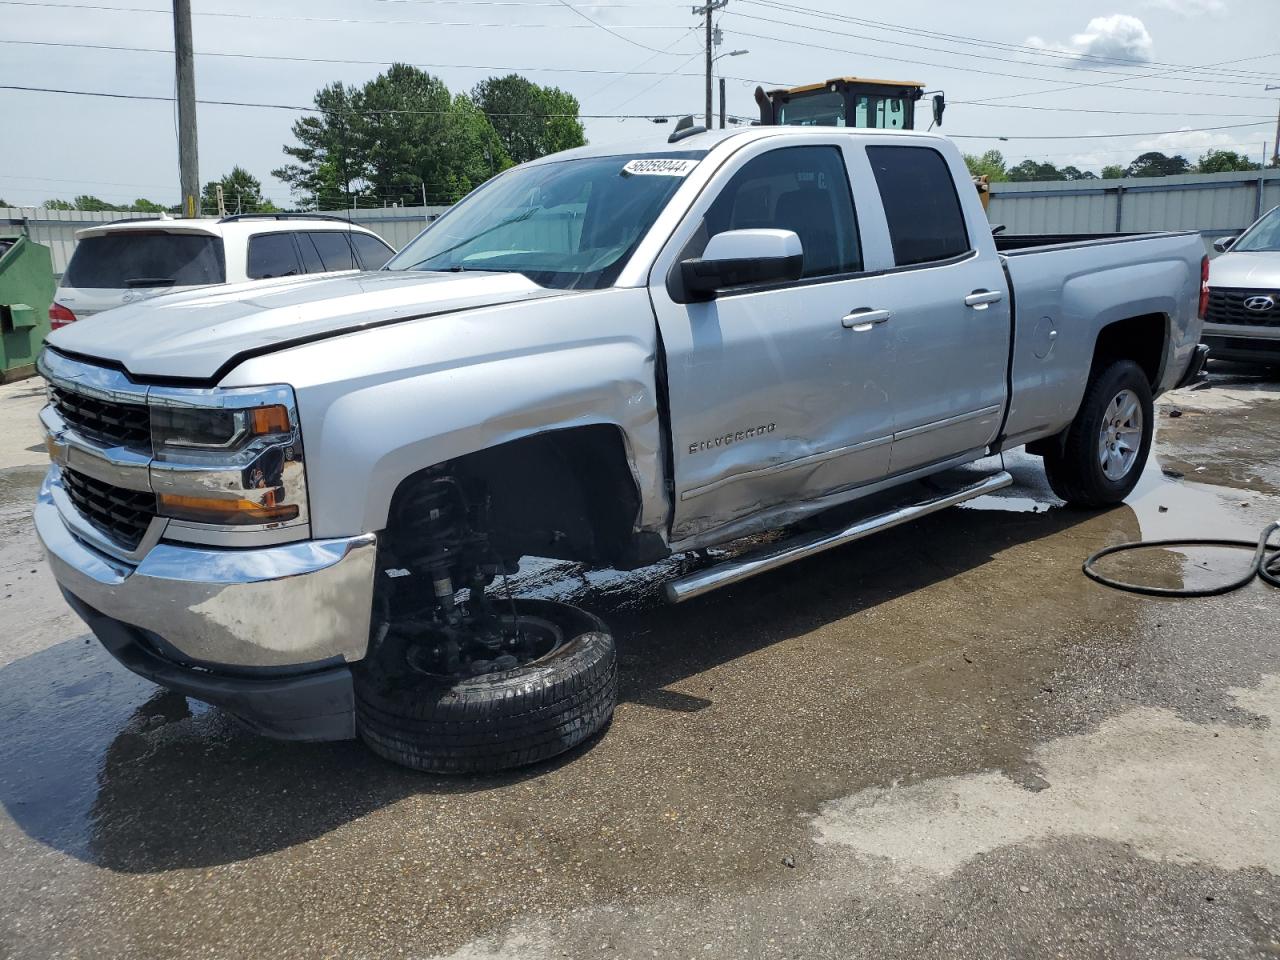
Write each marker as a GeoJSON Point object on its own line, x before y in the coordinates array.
{"type": "Point", "coordinates": [939, 107]}
{"type": "Point", "coordinates": [739, 257]}
{"type": "Point", "coordinates": [1223, 244]}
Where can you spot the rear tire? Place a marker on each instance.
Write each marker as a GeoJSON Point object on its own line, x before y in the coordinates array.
{"type": "Point", "coordinates": [1107, 444]}
{"type": "Point", "coordinates": [499, 720]}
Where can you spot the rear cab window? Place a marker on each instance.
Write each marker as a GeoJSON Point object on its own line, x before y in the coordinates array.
{"type": "Point", "coordinates": [926, 221]}
{"type": "Point", "coordinates": [138, 258]}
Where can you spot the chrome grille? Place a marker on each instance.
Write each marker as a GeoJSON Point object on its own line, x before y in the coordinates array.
{"type": "Point", "coordinates": [1226, 305]}
{"type": "Point", "coordinates": [110, 422]}
{"type": "Point", "coordinates": [123, 515]}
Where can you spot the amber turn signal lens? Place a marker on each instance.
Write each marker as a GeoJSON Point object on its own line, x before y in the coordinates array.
{"type": "Point", "coordinates": [229, 512]}
{"type": "Point", "coordinates": [268, 420]}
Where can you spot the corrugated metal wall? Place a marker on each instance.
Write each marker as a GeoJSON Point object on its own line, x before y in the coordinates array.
{"type": "Point", "coordinates": [56, 228]}
{"type": "Point", "coordinates": [1215, 204]}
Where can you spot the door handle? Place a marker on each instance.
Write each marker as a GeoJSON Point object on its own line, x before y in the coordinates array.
{"type": "Point", "coordinates": [864, 318]}
{"type": "Point", "coordinates": [980, 298]}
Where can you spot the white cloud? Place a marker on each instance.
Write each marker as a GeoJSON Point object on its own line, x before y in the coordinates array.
{"type": "Point", "coordinates": [1118, 36]}
{"type": "Point", "coordinates": [1189, 8]}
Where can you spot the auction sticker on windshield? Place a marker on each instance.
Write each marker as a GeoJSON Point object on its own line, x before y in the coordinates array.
{"type": "Point", "coordinates": [659, 166]}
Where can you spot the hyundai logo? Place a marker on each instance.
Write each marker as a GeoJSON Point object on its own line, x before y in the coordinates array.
{"type": "Point", "coordinates": [1259, 304]}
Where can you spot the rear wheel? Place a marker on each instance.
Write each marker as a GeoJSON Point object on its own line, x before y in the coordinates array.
{"type": "Point", "coordinates": [1106, 446]}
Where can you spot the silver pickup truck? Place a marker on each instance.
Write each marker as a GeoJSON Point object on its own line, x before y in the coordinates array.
{"type": "Point", "coordinates": [299, 500]}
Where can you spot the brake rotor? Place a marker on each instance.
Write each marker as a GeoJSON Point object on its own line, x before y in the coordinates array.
{"type": "Point", "coordinates": [517, 641]}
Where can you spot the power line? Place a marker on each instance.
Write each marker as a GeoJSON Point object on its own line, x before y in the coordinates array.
{"type": "Point", "coordinates": [990, 73]}
{"type": "Point", "coordinates": [300, 19]}
{"type": "Point", "coordinates": [668, 76]}
{"type": "Point", "coordinates": [1127, 113]}
{"type": "Point", "coordinates": [618, 74]}
{"type": "Point", "coordinates": [596, 116]}
{"type": "Point", "coordinates": [535, 3]}
{"type": "Point", "coordinates": [1108, 136]}
{"type": "Point", "coordinates": [653, 56]}
{"type": "Point", "coordinates": [609, 30]}
{"type": "Point", "coordinates": [367, 63]}
{"type": "Point", "coordinates": [986, 57]}
{"type": "Point", "coordinates": [288, 106]}
{"type": "Point", "coordinates": [986, 42]}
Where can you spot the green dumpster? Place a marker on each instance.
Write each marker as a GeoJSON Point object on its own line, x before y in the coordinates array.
{"type": "Point", "coordinates": [26, 293]}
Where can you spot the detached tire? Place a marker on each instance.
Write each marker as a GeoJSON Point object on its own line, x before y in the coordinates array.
{"type": "Point", "coordinates": [499, 720]}
{"type": "Point", "coordinates": [1106, 447]}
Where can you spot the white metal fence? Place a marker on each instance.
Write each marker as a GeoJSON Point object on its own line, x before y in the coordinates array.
{"type": "Point", "coordinates": [1215, 204]}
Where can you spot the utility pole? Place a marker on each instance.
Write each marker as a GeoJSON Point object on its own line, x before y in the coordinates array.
{"type": "Point", "coordinates": [705, 11]}
{"type": "Point", "coordinates": [1275, 150]}
{"type": "Point", "coordinates": [185, 66]}
{"type": "Point", "coordinates": [722, 103]}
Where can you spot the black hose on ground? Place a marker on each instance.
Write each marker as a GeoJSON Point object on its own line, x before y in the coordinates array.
{"type": "Point", "coordinates": [1264, 566]}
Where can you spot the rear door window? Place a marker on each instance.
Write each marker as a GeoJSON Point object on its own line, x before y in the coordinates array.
{"type": "Point", "coordinates": [373, 253]}
{"type": "Point", "coordinates": [272, 255]}
{"type": "Point", "coordinates": [136, 258]}
{"type": "Point", "coordinates": [926, 222]}
{"type": "Point", "coordinates": [334, 249]}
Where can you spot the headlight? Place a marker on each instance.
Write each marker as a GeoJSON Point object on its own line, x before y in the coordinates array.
{"type": "Point", "coordinates": [186, 428]}
{"type": "Point", "coordinates": [228, 460]}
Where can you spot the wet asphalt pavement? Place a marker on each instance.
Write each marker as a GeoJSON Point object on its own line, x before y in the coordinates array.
{"type": "Point", "coordinates": [940, 740]}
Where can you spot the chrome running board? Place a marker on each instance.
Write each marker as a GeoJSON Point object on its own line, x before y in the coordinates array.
{"type": "Point", "coordinates": [732, 571]}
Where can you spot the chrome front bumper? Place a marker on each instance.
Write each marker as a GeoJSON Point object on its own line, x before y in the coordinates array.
{"type": "Point", "coordinates": [291, 608]}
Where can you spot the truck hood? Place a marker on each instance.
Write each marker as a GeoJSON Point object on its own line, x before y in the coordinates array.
{"type": "Point", "coordinates": [194, 335]}
{"type": "Point", "coordinates": [1251, 270]}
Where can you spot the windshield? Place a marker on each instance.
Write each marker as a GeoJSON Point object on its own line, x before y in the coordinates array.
{"type": "Point", "coordinates": [134, 258]}
{"type": "Point", "coordinates": [570, 225]}
{"type": "Point", "coordinates": [1263, 236]}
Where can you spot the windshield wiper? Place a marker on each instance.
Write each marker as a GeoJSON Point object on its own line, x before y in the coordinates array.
{"type": "Point", "coordinates": [462, 243]}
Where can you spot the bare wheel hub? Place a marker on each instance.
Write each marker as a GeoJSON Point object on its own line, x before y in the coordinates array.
{"type": "Point", "coordinates": [490, 646]}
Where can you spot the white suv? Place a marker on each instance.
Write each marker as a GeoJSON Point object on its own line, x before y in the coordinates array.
{"type": "Point", "coordinates": [128, 260]}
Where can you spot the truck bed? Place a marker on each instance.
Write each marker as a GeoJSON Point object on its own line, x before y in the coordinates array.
{"type": "Point", "coordinates": [1015, 243]}
{"type": "Point", "coordinates": [1065, 287]}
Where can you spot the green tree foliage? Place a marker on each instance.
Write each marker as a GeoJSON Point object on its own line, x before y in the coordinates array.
{"type": "Point", "coordinates": [1074, 173]}
{"type": "Point", "coordinates": [325, 171]}
{"type": "Point", "coordinates": [404, 134]}
{"type": "Point", "coordinates": [1113, 172]}
{"type": "Point", "coordinates": [143, 205]}
{"type": "Point", "coordinates": [92, 204]}
{"type": "Point", "coordinates": [990, 164]}
{"type": "Point", "coordinates": [1034, 170]}
{"type": "Point", "coordinates": [1156, 164]}
{"type": "Point", "coordinates": [5, 203]}
{"type": "Point", "coordinates": [1224, 161]}
{"type": "Point", "coordinates": [530, 120]}
{"type": "Point", "coordinates": [241, 193]}
{"type": "Point", "coordinates": [58, 205]}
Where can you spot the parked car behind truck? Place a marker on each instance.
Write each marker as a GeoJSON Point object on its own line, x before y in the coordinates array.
{"type": "Point", "coordinates": [296, 503]}
{"type": "Point", "coordinates": [129, 260]}
{"type": "Point", "coordinates": [1243, 318]}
